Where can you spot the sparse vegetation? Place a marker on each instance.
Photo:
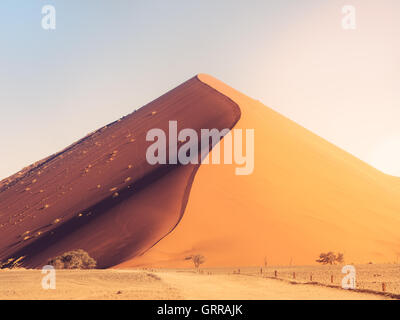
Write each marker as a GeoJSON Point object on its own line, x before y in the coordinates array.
{"type": "Point", "coordinates": [197, 260]}
{"type": "Point", "coordinates": [75, 259]}
{"type": "Point", "coordinates": [12, 263]}
{"type": "Point", "coordinates": [340, 258]}
{"type": "Point", "coordinates": [330, 258]}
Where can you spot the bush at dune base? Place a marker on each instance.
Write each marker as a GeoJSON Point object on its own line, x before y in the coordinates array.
{"type": "Point", "coordinates": [75, 259]}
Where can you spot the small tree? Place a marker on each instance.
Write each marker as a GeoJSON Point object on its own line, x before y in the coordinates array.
{"type": "Point", "coordinates": [340, 257]}
{"type": "Point", "coordinates": [330, 258]}
{"type": "Point", "coordinates": [197, 259]}
{"type": "Point", "coordinates": [327, 258]}
{"type": "Point", "coordinates": [75, 259]}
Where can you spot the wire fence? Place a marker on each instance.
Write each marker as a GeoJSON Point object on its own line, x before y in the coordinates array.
{"type": "Point", "coordinates": [382, 278]}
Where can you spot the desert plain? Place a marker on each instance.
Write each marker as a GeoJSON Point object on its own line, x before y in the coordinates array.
{"type": "Point", "coordinates": [208, 283]}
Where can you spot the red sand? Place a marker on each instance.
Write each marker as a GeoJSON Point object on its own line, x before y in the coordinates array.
{"type": "Point", "coordinates": [100, 194]}
{"type": "Point", "coordinates": [306, 196]}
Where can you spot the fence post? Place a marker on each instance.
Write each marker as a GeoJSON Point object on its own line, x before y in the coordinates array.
{"type": "Point", "coordinates": [311, 277]}
{"type": "Point", "coordinates": [332, 278]}
{"type": "Point", "coordinates": [294, 275]}
{"type": "Point", "coordinates": [276, 274]}
{"type": "Point", "coordinates": [383, 287]}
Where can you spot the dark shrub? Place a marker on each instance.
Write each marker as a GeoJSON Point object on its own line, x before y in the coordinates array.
{"type": "Point", "coordinates": [75, 259]}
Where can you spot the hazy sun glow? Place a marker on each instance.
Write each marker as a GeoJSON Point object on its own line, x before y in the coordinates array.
{"type": "Point", "coordinates": [294, 56]}
{"type": "Point", "coordinates": [386, 156]}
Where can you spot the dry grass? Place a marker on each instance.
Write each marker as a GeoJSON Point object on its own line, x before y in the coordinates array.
{"type": "Point", "coordinates": [210, 283]}
{"type": "Point", "coordinates": [368, 276]}
{"type": "Point", "coordinates": [85, 284]}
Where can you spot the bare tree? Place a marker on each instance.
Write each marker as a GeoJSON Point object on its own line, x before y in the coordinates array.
{"type": "Point", "coordinates": [197, 259]}
{"type": "Point", "coordinates": [340, 257]}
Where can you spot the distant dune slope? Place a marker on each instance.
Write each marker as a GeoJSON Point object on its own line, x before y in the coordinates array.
{"type": "Point", "coordinates": [100, 194]}
{"type": "Point", "coordinates": [306, 196]}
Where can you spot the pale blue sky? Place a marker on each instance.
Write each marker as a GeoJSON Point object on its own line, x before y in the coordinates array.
{"type": "Point", "coordinates": [107, 58]}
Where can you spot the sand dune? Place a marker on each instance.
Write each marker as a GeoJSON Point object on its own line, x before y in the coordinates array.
{"type": "Point", "coordinates": [306, 196]}
{"type": "Point", "coordinates": [100, 194]}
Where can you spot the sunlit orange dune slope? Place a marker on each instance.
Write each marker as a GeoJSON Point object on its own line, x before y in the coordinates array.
{"type": "Point", "coordinates": [305, 196]}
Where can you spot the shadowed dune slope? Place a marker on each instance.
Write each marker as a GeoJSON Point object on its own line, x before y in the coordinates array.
{"type": "Point", "coordinates": [305, 196]}
{"type": "Point", "coordinates": [100, 194]}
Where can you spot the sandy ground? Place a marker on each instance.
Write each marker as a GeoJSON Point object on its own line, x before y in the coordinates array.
{"type": "Point", "coordinates": [368, 276]}
{"type": "Point", "coordinates": [138, 284]}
